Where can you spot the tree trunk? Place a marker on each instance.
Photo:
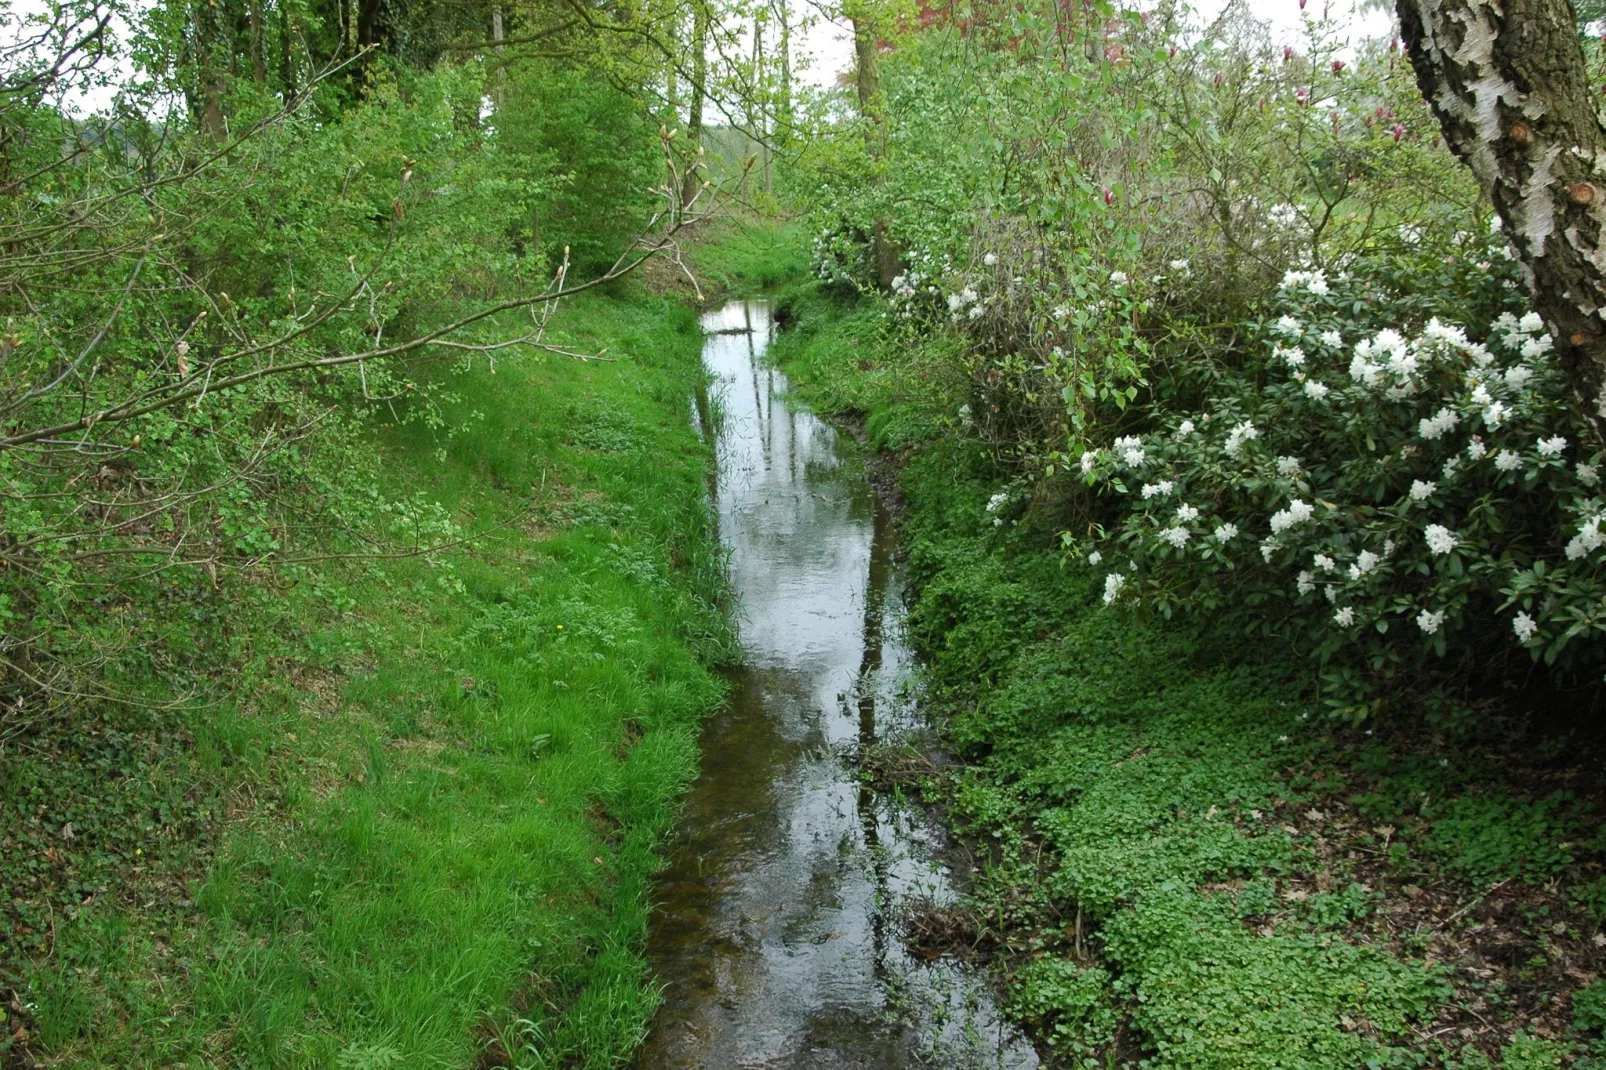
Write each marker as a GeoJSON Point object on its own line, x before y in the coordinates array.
{"type": "Point", "coordinates": [694, 108]}
{"type": "Point", "coordinates": [872, 108]}
{"type": "Point", "coordinates": [1510, 89]}
{"type": "Point", "coordinates": [287, 63]}
{"type": "Point", "coordinates": [259, 54]}
{"type": "Point", "coordinates": [501, 70]}
{"type": "Point", "coordinates": [783, 112]}
{"type": "Point", "coordinates": [209, 31]}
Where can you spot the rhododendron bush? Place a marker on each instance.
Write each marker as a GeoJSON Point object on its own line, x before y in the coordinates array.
{"type": "Point", "coordinates": [1385, 487]}
{"type": "Point", "coordinates": [1236, 323]}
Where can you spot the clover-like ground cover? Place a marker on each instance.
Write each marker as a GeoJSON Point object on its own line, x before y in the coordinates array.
{"type": "Point", "coordinates": [1178, 856]}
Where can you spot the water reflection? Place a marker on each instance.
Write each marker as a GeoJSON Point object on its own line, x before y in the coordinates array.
{"type": "Point", "coordinates": [777, 934]}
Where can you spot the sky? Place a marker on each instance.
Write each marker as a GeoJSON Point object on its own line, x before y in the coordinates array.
{"type": "Point", "coordinates": [830, 44]}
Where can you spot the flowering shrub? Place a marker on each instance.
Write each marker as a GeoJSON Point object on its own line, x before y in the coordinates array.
{"type": "Point", "coordinates": [1384, 485]}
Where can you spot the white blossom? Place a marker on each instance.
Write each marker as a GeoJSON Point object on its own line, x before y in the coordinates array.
{"type": "Point", "coordinates": [1495, 414]}
{"type": "Point", "coordinates": [1306, 583]}
{"type": "Point", "coordinates": [1537, 346]}
{"type": "Point", "coordinates": [1283, 215]}
{"type": "Point", "coordinates": [1525, 627]}
{"type": "Point", "coordinates": [1095, 557]}
{"type": "Point", "coordinates": [1268, 546]}
{"type": "Point", "coordinates": [1552, 447]}
{"type": "Point", "coordinates": [1181, 267]}
{"type": "Point", "coordinates": [1287, 466]}
{"type": "Point", "coordinates": [990, 259]}
{"type": "Point", "coordinates": [1476, 449]}
{"type": "Point", "coordinates": [1365, 562]}
{"type": "Point", "coordinates": [1325, 563]}
{"type": "Point", "coordinates": [1332, 338]}
{"type": "Point", "coordinates": [1314, 281]}
{"type": "Point", "coordinates": [1430, 621]}
{"type": "Point", "coordinates": [1290, 326]}
{"type": "Point", "coordinates": [1120, 278]}
{"type": "Point", "coordinates": [1184, 429]}
{"type": "Point", "coordinates": [1175, 536]}
{"type": "Point", "coordinates": [1441, 540]}
{"type": "Point", "coordinates": [1297, 513]}
{"type": "Point", "coordinates": [1151, 490]}
{"type": "Point", "coordinates": [997, 501]}
{"type": "Point", "coordinates": [1238, 436]}
{"type": "Point", "coordinates": [1587, 540]}
{"type": "Point", "coordinates": [1112, 587]}
{"type": "Point", "coordinates": [1316, 391]}
{"type": "Point", "coordinates": [1345, 617]}
{"type": "Point", "coordinates": [1089, 459]}
{"type": "Point", "coordinates": [1226, 532]}
{"type": "Point", "coordinates": [1131, 449]}
{"type": "Point", "coordinates": [1506, 461]}
{"type": "Point", "coordinates": [1587, 474]}
{"type": "Point", "coordinates": [1186, 512]}
{"type": "Point", "coordinates": [1435, 427]}
{"type": "Point", "coordinates": [1294, 356]}
{"type": "Point", "coordinates": [1422, 490]}
{"type": "Point", "coordinates": [1517, 377]}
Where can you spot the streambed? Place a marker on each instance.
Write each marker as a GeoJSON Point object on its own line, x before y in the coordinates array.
{"type": "Point", "coordinates": [777, 931]}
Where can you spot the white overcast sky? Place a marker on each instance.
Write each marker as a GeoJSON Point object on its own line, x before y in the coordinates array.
{"type": "Point", "coordinates": [830, 45]}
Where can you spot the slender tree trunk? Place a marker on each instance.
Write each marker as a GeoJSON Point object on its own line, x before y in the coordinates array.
{"type": "Point", "coordinates": [501, 72]}
{"type": "Point", "coordinates": [1509, 86]}
{"type": "Point", "coordinates": [259, 52]}
{"type": "Point", "coordinates": [699, 85]}
{"type": "Point", "coordinates": [783, 111]}
{"type": "Point", "coordinates": [210, 77]}
{"type": "Point", "coordinates": [287, 64]}
{"type": "Point", "coordinates": [872, 108]}
{"type": "Point", "coordinates": [760, 125]}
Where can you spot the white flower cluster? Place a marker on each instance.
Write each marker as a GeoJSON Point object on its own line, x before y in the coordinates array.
{"type": "Point", "coordinates": [1587, 540]}
{"type": "Point", "coordinates": [1130, 447]}
{"type": "Point", "coordinates": [1314, 281]}
{"type": "Point", "coordinates": [1236, 438]}
{"type": "Point", "coordinates": [1297, 513]}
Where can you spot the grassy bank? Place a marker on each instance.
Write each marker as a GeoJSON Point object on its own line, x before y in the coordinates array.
{"type": "Point", "coordinates": [1187, 863]}
{"type": "Point", "coordinates": [420, 832]}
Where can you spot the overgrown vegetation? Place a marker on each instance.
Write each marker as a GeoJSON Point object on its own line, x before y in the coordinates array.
{"type": "Point", "coordinates": [357, 589]}
{"type": "Point", "coordinates": [1252, 523]}
{"type": "Point", "coordinates": [1187, 860]}
{"type": "Point", "coordinates": [435, 792]}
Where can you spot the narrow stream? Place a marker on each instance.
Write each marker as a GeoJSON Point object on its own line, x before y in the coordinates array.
{"type": "Point", "coordinates": [777, 933]}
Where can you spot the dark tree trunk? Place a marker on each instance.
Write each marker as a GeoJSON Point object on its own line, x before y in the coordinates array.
{"type": "Point", "coordinates": [1510, 88]}
{"type": "Point", "coordinates": [694, 107]}
{"type": "Point", "coordinates": [872, 108]}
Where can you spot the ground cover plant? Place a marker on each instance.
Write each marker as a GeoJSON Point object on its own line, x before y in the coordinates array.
{"type": "Point", "coordinates": [439, 796]}
{"type": "Point", "coordinates": [357, 596]}
{"type": "Point", "coordinates": [1182, 857]}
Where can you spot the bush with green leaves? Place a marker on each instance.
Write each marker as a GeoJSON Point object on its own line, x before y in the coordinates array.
{"type": "Point", "coordinates": [1238, 322]}
{"type": "Point", "coordinates": [1383, 486]}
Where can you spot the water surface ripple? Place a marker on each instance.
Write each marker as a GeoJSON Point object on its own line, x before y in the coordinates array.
{"type": "Point", "coordinates": [777, 932]}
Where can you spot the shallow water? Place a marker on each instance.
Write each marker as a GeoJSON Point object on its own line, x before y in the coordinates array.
{"type": "Point", "coordinates": [777, 933]}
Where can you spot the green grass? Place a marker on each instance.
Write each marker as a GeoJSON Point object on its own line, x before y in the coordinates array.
{"type": "Point", "coordinates": [441, 788]}
{"type": "Point", "coordinates": [739, 254]}
{"type": "Point", "coordinates": [1254, 886]}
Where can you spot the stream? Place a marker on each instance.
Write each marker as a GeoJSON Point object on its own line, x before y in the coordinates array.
{"type": "Point", "coordinates": [777, 931]}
